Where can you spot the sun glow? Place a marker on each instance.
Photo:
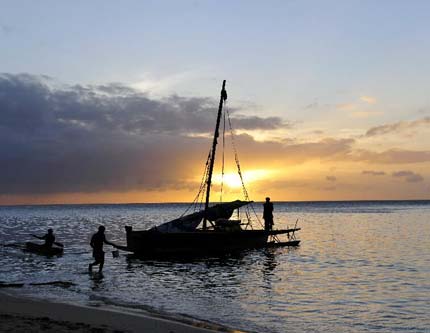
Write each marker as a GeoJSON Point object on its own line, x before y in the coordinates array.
{"type": "Point", "coordinates": [232, 179]}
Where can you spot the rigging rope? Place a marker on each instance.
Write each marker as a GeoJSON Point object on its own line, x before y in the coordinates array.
{"type": "Point", "coordinates": [236, 158]}
{"type": "Point", "coordinates": [202, 189]}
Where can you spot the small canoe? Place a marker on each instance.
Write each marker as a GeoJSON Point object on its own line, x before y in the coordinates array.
{"type": "Point", "coordinates": [43, 250]}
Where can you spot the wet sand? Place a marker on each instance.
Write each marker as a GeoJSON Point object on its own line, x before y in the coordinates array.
{"type": "Point", "coordinates": [19, 314]}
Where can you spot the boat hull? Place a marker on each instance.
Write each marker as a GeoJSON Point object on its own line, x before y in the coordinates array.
{"type": "Point", "coordinates": [43, 250]}
{"type": "Point", "coordinates": [151, 242]}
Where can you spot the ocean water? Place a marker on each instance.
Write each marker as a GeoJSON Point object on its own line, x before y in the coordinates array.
{"type": "Point", "coordinates": [361, 267]}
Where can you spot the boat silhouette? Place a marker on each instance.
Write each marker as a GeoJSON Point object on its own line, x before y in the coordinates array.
{"type": "Point", "coordinates": [209, 230]}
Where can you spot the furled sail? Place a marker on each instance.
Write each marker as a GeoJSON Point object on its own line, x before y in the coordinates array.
{"type": "Point", "coordinates": [188, 223]}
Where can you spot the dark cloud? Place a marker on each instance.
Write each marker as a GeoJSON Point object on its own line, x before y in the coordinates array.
{"type": "Point", "coordinates": [101, 138]}
{"type": "Point", "coordinates": [113, 107]}
{"type": "Point", "coordinates": [330, 178]}
{"type": "Point", "coordinates": [409, 176]}
{"type": "Point", "coordinates": [396, 127]}
{"type": "Point", "coordinates": [373, 173]}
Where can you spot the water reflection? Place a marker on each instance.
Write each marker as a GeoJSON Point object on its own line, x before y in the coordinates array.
{"type": "Point", "coordinates": [269, 261]}
{"type": "Point", "coordinates": [207, 275]}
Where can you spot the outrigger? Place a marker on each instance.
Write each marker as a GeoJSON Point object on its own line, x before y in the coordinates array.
{"type": "Point", "coordinates": [209, 229]}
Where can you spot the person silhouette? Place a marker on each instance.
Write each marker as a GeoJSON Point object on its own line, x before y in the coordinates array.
{"type": "Point", "coordinates": [49, 238]}
{"type": "Point", "coordinates": [268, 215]}
{"type": "Point", "coordinates": [97, 241]}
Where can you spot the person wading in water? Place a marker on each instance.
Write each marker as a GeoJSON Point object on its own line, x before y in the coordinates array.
{"type": "Point", "coordinates": [268, 215]}
{"type": "Point", "coordinates": [97, 244]}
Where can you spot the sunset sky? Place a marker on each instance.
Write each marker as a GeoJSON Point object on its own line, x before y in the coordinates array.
{"type": "Point", "coordinates": [113, 102]}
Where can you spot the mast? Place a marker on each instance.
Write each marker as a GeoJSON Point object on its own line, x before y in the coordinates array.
{"type": "Point", "coordinates": [223, 97]}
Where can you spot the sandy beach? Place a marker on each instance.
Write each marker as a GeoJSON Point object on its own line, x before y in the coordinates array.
{"type": "Point", "coordinates": [18, 314]}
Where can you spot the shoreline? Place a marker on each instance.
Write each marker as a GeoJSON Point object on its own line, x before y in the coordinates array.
{"type": "Point", "coordinates": [22, 314]}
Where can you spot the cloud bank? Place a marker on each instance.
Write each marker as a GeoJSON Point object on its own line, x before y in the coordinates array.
{"type": "Point", "coordinates": [107, 137]}
{"type": "Point", "coordinates": [113, 138]}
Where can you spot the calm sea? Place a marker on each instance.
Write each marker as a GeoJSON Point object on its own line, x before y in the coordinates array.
{"type": "Point", "coordinates": [362, 266]}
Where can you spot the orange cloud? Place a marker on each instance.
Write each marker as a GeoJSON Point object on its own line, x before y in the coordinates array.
{"type": "Point", "coordinates": [368, 99]}
{"type": "Point", "coordinates": [346, 107]}
{"type": "Point", "coordinates": [392, 156]}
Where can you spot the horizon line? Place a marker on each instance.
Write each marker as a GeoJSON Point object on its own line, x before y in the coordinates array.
{"type": "Point", "coordinates": [187, 202]}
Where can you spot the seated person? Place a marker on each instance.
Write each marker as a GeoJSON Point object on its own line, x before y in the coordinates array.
{"type": "Point", "coordinates": [49, 238]}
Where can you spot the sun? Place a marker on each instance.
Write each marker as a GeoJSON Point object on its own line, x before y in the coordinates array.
{"type": "Point", "coordinates": [232, 180]}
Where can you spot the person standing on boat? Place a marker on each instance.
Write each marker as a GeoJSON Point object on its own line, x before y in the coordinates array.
{"type": "Point", "coordinates": [96, 243]}
{"type": "Point", "coordinates": [49, 238]}
{"type": "Point", "coordinates": [268, 215]}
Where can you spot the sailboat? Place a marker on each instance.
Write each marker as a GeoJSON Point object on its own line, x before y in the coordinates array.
{"type": "Point", "coordinates": [210, 229]}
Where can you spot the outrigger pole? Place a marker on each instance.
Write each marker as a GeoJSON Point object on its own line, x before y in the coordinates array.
{"type": "Point", "coordinates": [212, 160]}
